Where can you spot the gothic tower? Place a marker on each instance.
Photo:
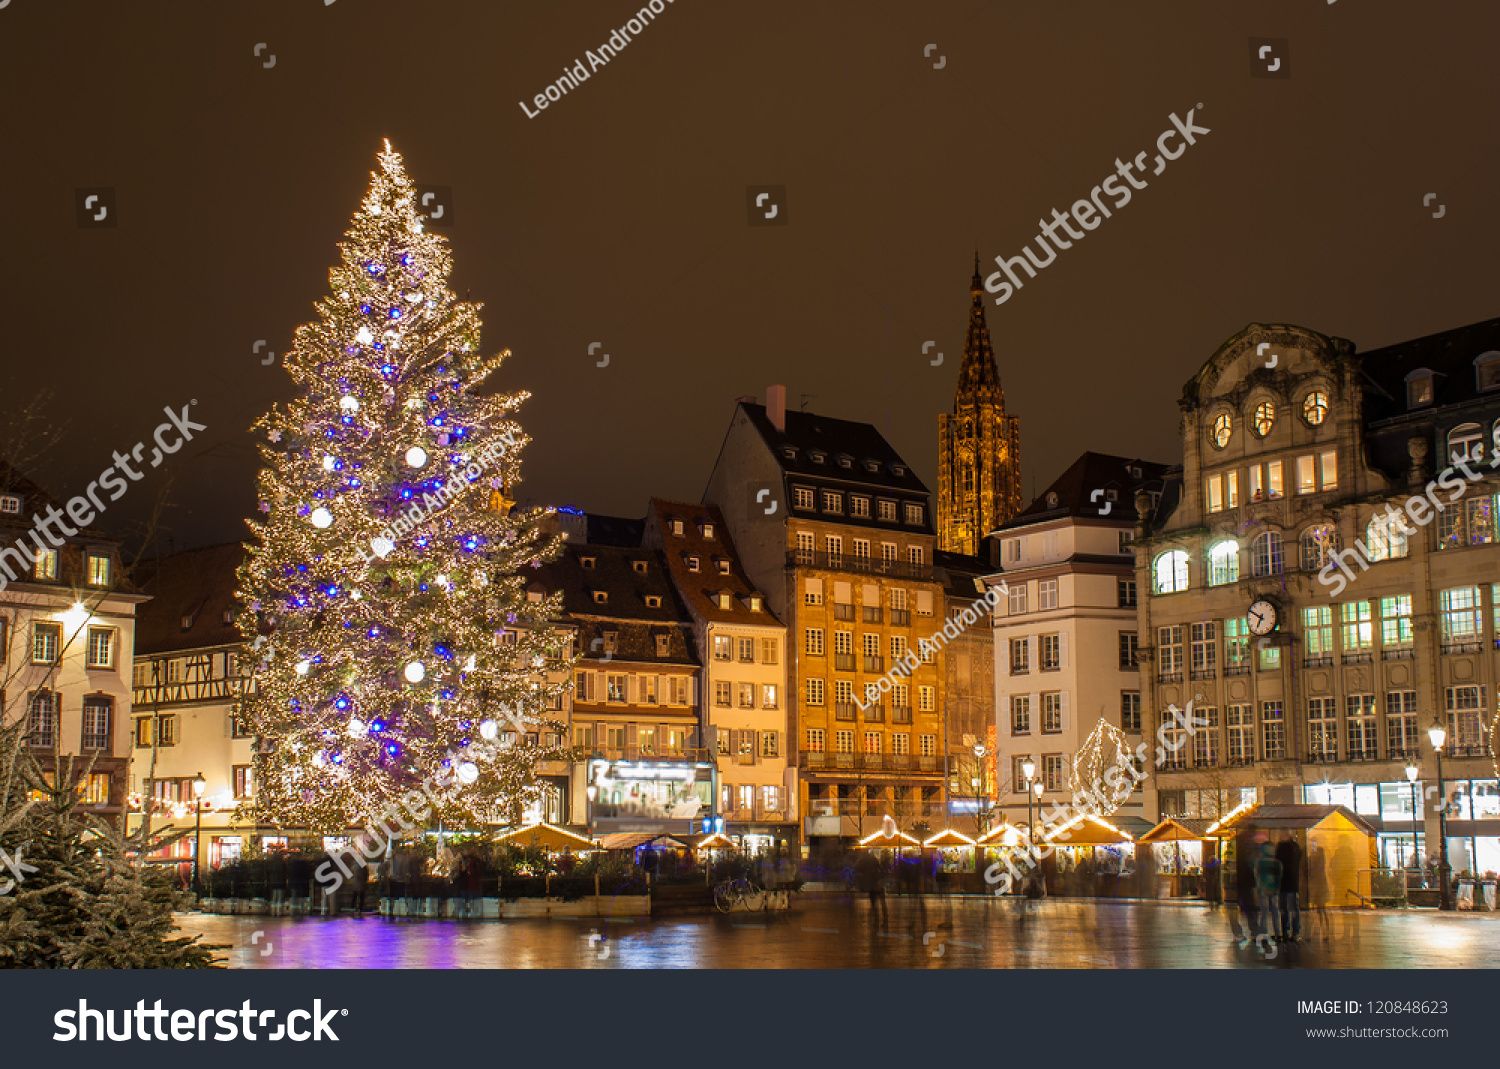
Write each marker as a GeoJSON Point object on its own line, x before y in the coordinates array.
{"type": "Point", "coordinates": [979, 446]}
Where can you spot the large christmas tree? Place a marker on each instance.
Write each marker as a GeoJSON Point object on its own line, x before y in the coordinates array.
{"type": "Point", "coordinates": [392, 634]}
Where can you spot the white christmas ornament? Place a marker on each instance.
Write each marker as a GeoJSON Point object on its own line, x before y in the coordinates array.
{"type": "Point", "coordinates": [416, 456]}
{"type": "Point", "coordinates": [349, 403]}
{"type": "Point", "coordinates": [382, 546]}
{"type": "Point", "coordinates": [303, 667]}
{"type": "Point", "coordinates": [470, 663]}
{"type": "Point", "coordinates": [468, 772]}
{"type": "Point", "coordinates": [488, 729]}
{"type": "Point", "coordinates": [415, 672]}
{"type": "Point", "coordinates": [321, 518]}
{"type": "Point", "coordinates": [357, 728]}
{"type": "Point", "coordinates": [328, 462]}
{"type": "Point", "coordinates": [364, 337]}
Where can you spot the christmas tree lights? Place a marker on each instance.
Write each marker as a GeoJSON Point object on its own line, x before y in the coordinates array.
{"type": "Point", "coordinates": [376, 659]}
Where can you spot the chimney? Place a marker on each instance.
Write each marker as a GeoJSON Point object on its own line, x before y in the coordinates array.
{"type": "Point", "coordinates": [776, 406]}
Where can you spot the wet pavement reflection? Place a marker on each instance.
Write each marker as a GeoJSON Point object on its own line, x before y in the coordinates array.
{"type": "Point", "coordinates": [838, 933]}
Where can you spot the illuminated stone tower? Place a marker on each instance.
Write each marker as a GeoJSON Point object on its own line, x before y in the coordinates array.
{"type": "Point", "coordinates": [979, 446]}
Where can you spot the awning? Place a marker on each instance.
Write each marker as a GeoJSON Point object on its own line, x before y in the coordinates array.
{"type": "Point", "coordinates": [714, 841]}
{"type": "Point", "coordinates": [1178, 830]}
{"type": "Point", "coordinates": [1291, 818]}
{"type": "Point", "coordinates": [1003, 835]}
{"type": "Point", "coordinates": [1087, 830]}
{"type": "Point", "coordinates": [630, 840]}
{"type": "Point", "coordinates": [886, 838]}
{"type": "Point", "coordinates": [948, 837]}
{"type": "Point", "coordinates": [547, 837]}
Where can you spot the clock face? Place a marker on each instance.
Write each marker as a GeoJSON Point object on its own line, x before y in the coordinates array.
{"type": "Point", "coordinates": [1262, 617]}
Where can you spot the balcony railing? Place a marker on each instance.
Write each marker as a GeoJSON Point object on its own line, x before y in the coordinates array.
{"type": "Point", "coordinates": [1239, 761]}
{"type": "Point", "coordinates": [1317, 660]}
{"type": "Point", "coordinates": [821, 761]}
{"type": "Point", "coordinates": [860, 565]}
{"type": "Point", "coordinates": [901, 714]}
{"type": "Point", "coordinates": [1397, 653]}
{"type": "Point", "coordinates": [1359, 657]}
{"type": "Point", "coordinates": [843, 612]}
{"type": "Point", "coordinates": [874, 664]}
{"type": "Point", "coordinates": [843, 710]}
{"type": "Point", "coordinates": [1169, 677]}
{"type": "Point", "coordinates": [901, 617]}
{"type": "Point", "coordinates": [1236, 670]}
{"type": "Point", "coordinates": [843, 662]}
{"type": "Point", "coordinates": [1204, 673]}
{"type": "Point", "coordinates": [869, 614]}
{"type": "Point", "coordinates": [1465, 646]}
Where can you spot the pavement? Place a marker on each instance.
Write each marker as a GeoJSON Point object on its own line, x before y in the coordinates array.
{"type": "Point", "coordinates": [842, 932]}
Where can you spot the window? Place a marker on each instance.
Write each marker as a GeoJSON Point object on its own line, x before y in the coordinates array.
{"type": "Point", "coordinates": [859, 505]}
{"type": "Point", "coordinates": [815, 740]}
{"type": "Point", "coordinates": [1046, 594]}
{"type": "Point", "coordinates": [723, 647]}
{"type": "Point", "coordinates": [833, 545]}
{"type": "Point", "coordinates": [1419, 388]}
{"type": "Point", "coordinates": [1266, 555]}
{"type": "Point", "coordinates": [98, 569]}
{"type": "Point", "coordinates": [1125, 593]}
{"type": "Point", "coordinates": [1240, 724]}
{"type": "Point", "coordinates": [888, 554]}
{"type": "Point", "coordinates": [1206, 738]}
{"type": "Point", "coordinates": [1270, 658]}
{"type": "Point", "coordinates": [583, 737]}
{"type": "Point", "coordinates": [242, 786]}
{"type": "Point", "coordinates": [41, 726]}
{"type": "Point", "coordinates": [913, 513]}
{"type": "Point", "coordinates": [927, 745]}
{"type": "Point", "coordinates": [1273, 728]}
{"type": "Point", "coordinates": [1214, 495]}
{"type": "Point", "coordinates": [1265, 481]}
{"type": "Point", "coordinates": [886, 510]}
{"type": "Point", "coordinates": [1487, 371]}
{"type": "Point", "coordinates": [101, 647]}
{"type": "Point", "coordinates": [898, 648]}
{"type": "Point", "coordinates": [747, 695]}
{"type": "Point", "coordinates": [1315, 408]}
{"type": "Point", "coordinates": [1466, 442]}
{"type": "Point", "coordinates": [10, 504]}
{"type": "Point", "coordinates": [1467, 523]}
{"type": "Point", "coordinates": [1358, 631]}
{"type": "Point", "coordinates": [1169, 651]}
{"type": "Point", "coordinates": [872, 742]}
{"type": "Point", "coordinates": [915, 555]}
{"type": "Point", "coordinates": [1395, 621]}
{"type": "Point", "coordinates": [862, 551]}
{"type": "Point", "coordinates": [1307, 475]}
{"type": "Point", "coordinates": [1236, 644]}
{"type": "Point", "coordinates": [1319, 543]}
{"type": "Point", "coordinates": [1052, 712]}
{"type": "Point", "coordinates": [653, 601]}
{"type": "Point", "coordinates": [1020, 656]}
{"type": "Point", "coordinates": [769, 651]}
{"type": "Point", "coordinates": [1020, 714]}
{"type": "Point", "coordinates": [615, 688]}
{"type": "Point", "coordinates": [802, 497]}
{"type": "Point", "coordinates": [1328, 469]}
{"type": "Point", "coordinates": [45, 564]}
{"type": "Point", "coordinates": [1129, 644]}
{"type": "Point", "coordinates": [1224, 563]}
{"type": "Point", "coordinates": [1264, 419]}
{"type": "Point", "coordinates": [901, 743]}
{"type": "Point", "coordinates": [1170, 572]}
{"type": "Point", "coordinates": [679, 689]}
{"type": "Point", "coordinates": [723, 563]}
{"type": "Point", "coordinates": [1359, 727]}
{"type": "Point", "coordinates": [805, 547]}
{"type": "Point", "coordinates": [1015, 599]}
{"type": "Point", "coordinates": [46, 643]}
{"type": "Point", "coordinates": [927, 699]}
{"type": "Point", "coordinates": [746, 647]}
{"type": "Point", "coordinates": [1204, 649]}
{"type": "Point", "coordinates": [770, 799]}
{"type": "Point", "coordinates": [813, 641]}
{"type": "Point", "coordinates": [769, 699]}
{"type": "Point", "coordinates": [1461, 616]}
{"type": "Point", "coordinates": [1322, 729]}
{"type": "Point", "coordinates": [1223, 430]}
{"type": "Point", "coordinates": [1317, 632]}
{"type": "Point", "coordinates": [1051, 653]}
{"type": "Point", "coordinates": [812, 592]}
{"type": "Point", "coordinates": [843, 741]}
{"type": "Point", "coordinates": [1386, 536]}
{"type": "Point", "coordinates": [770, 744]}
{"type": "Point", "coordinates": [1465, 723]}
{"type": "Point", "coordinates": [95, 789]}
{"type": "Point", "coordinates": [1130, 711]}
{"type": "Point", "coordinates": [1401, 739]}
{"type": "Point", "coordinates": [98, 713]}
{"type": "Point", "coordinates": [815, 692]}
{"type": "Point", "coordinates": [1052, 771]}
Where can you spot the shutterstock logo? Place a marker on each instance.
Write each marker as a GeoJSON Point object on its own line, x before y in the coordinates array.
{"type": "Point", "coordinates": [192, 1026]}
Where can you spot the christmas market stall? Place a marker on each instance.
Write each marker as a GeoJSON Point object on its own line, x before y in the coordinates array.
{"type": "Point", "coordinates": [890, 838]}
{"type": "Point", "coordinates": [548, 838]}
{"type": "Point", "coordinates": [953, 849]}
{"type": "Point", "coordinates": [1179, 850]}
{"type": "Point", "coordinates": [1094, 858]}
{"type": "Point", "coordinates": [1336, 845]}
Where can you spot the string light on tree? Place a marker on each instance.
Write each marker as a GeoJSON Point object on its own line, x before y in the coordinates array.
{"type": "Point", "coordinates": [395, 649]}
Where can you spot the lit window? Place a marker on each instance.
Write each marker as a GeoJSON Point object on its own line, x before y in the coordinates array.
{"type": "Point", "coordinates": [98, 570]}
{"type": "Point", "coordinates": [1265, 418]}
{"type": "Point", "coordinates": [802, 497]}
{"type": "Point", "coordinates": [1307, 475]}
{"type": "Point", "coordinates": [1231, 489]}
{"type": "Point", "coordinates": [1215, 497]}
{"type": "Point", "coordinates": [1315, 408]}
{"type": "Point", "coordinates": [46, 565]}
{"type": "Point", "coordinates": [1386, 536]}
{"type": "Point", "coordinates": [833, 501]}
{"type": "Point", "coordinates": [886, 510]}
{"type": "Point", "coordinates": [1223, 563]}
{"type": "Point", "coordinates": [1466, 442]}
{"type": "Point", "coordinates": [101, 647]}
{"type": "Point", "coordinates": [1328, 469]}
{"type": "Point", "coordinates": [858, 505]}
{"type": "Point", "coordinates": [913, 514]}
{"type": "Point", "coordinates": [10, 504]}
{"type": "Point", "coordinates": [46, 641]}
{"type": "Point", "coordinates": [1266, 556]}
{"type": "Point", "coordinates": [1223, 429]}
{"type": "Point", "coordinates": [1419, 388]}
{"type": "Point", "coordinates": [1319, 543]}
{"type": "Point", "coordinates": [1170, 572]}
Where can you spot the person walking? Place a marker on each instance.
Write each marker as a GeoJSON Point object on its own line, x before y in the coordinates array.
{"type": "Point", "coordinates": [1289, 853]}
{"type": "Point", "coordinates": [1268, 888]}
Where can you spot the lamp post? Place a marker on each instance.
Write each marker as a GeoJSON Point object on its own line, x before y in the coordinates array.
{"type": "Point", "coordinates": [589, 794]}
{"type": "Point", "coordinates": [1438, 735]}
{"type": "Point", "coordinates": [199, 785]}
{"type": "Point", "coordinates": [981, 810]}
{"type": "Point", "coordinates": [1412, 772]}
{"type": "Point", "coordinates": [1028, 769]}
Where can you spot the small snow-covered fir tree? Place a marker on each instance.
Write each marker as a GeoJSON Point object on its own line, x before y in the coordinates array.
{"type": "Point", "coordinates": [392, 631]}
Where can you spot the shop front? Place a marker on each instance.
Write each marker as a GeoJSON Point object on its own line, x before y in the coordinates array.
{"type": "Point", "coordinates": [649, 796]}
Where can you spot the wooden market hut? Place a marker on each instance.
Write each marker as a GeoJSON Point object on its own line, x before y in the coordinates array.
{"type": "Point", "coordinates": [1338, 848]}
{"type": "Point", "coordinates": [548, 837]}
{"type": "Point", "coordinates": [1182, 854]}
{"type": "Point", "coordinates": [1097, 858]}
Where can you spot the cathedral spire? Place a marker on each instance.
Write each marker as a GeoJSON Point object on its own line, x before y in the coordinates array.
{"type": "Point", "coordinates": [978, 369]}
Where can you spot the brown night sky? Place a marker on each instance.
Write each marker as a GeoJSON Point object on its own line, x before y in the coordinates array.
{"type": "Point", "coordinates": [619, 214]}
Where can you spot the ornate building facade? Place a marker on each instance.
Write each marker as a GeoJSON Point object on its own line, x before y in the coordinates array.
{"type": "Point", "coordinates": [979, 446]}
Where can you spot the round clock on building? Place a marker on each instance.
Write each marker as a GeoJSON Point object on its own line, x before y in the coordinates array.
{"type": "Point", "coordinates": [1262, 616]}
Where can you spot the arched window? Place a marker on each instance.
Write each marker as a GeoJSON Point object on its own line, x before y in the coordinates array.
{"type": "Point", "coordinates": [1170, 572]}
{"type": "Point", "coordinates": [1266, 556]}
{"type": "Point", "coordinates": [1315, 408]}
{"type": "Point", "coordinates": [1265, 418]}
{"type": "Point", "coordinates": [1224, 562]}
{"type": "Point", "coordinates": [1319, 543]}
{"type": "Point", "coordinates": [1466, 442]}
{"type": "Point", "coordinates": [1223, 429]}
{"type": "Point", "coordinates": [1385, 537]}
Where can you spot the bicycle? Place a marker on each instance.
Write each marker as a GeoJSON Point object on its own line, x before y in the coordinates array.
{"type": "Point", "coordinates": [738, 893]}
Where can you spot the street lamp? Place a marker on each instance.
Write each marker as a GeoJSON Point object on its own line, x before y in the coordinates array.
{"type": "Point", "coordinates": [981, 810]}
{"type": "Point", "coordinates": [199, 785]}
{"type": "Point", "coordinates": [1412, 772]}
{"type": "Point", "coordinates": [1438, 736]}
{"type": "Point", "coordinates": [1028, 769]}
{"type": "Point", "coordinates": [589, 794]}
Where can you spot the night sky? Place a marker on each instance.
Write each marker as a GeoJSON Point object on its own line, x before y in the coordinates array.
{"type": "Point", "coordinates": [620, 213]}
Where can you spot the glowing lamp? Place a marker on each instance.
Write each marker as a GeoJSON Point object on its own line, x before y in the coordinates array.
{"type": "Point", "coordinates": [321, 518]}
{"type": "Point", "coordinates": [357, 728]}
{"type": "Point", "coordinates": [1028, 768]}
{"type": "Point", "coordinates": [303, 667]}
{"type": "Point", "coordinates": [1412, 772]}
{"type": "Point", "coordinates": [349, 403]}
{"type": "Point", "coordinates": [415, 672]}
{"type": "Point", "coordinates": [416, 456]}
{"type": "Point", "coordinates": [468, 772]}
{"type": "Point", "coordinates": [1438, 735]}
{"type": "Point", "coordinates": [489, 729]}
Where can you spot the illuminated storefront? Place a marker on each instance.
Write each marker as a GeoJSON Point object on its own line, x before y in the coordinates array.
{"type": "Point", "coordinates": [668, 796]}
{"type": "Point", "coordinates": [1473, 819]}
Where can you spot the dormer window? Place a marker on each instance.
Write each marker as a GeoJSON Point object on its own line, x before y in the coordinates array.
{"type": "Point", "coordinates": [610, 640]}
{"type": "Point", "coordinates": [187, 621]}
{"type": "Point", "coordinates": [677, 528]}
{"type": "Point", "coordinates": [833, 501]}
{"type": "Point", "coordinates": [1466, 442]}
{"type": "Point", "coordinates": [802, 497]}
{"type": "Point", "coordinates": [664, 645]}
{"type": "Point", "coordinates": [845, 460]}
{"type": "Point", "coordinates": [1486, 374]}
{"type": "Point", "coordinates": [653, 601]}
{"type": "Point", "coordinates": [10, 504]}
{"type": "Point", "coordinates": [692, 563]}
{"type": "Point", "coordinates": [898, 470]}
{"type": "Point", "coordinates": [587, 562]}
{"type": "Point", "coordinates": [706, 530]}
{"type": "Point", "coordinates": [723, 563]}
{"type": "Point", "coordinates": [1419, 388]}
{"type": "Point", "coordinates": [725, 599]}
{"type": "Point", "coordinates": [228, 617]}
{"type": "Point", "coordinates": [817, 456]}
{"type": "Point", "coordinates": [789, 451]}
{"type": "Point", "coordinates": [638, 567]}
{"type": "Point", "coordinates": [754, 601]}
{"type": "Point", "coordinates": [601, 597]}
{"type": "Point", "coordinates": [872, 466]}
{"type": "Point", "coordinates": [1134, 470]}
